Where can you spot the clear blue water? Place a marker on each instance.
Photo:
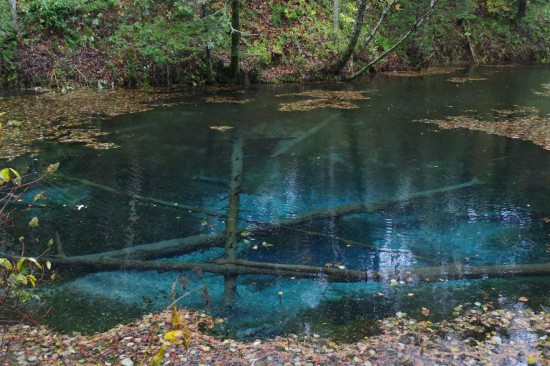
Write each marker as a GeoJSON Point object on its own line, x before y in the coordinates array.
{"type": "Point", "coordinates": [373, 153]}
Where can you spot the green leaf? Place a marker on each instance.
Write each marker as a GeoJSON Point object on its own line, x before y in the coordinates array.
{"type": "Point", "coordinates": [5, 175]}
{"type": "Point", "coordinates": [6, 264]}
{"type": "Point", "coordinates": [39, 196]}
{"type": "Point", "coordinates": [33, 222]}
{"type": "Point", "coordinates": [35, 262]}
{"type": "Point", "coordinates": [32, 280]}
{"type": "Point", "coordinates": [8, 174]}
{"type": "Point", "coordinates": [159, 356]}
{"type": "Point", "coordinates": [20, 263]}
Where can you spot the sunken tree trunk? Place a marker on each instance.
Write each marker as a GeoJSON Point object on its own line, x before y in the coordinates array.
{"type": "Point", "coordinates": [235, 66]}
{"type": "Point", "coordinates": [232, 220]}
{"type": "Point", "coordinates": [346, 55]}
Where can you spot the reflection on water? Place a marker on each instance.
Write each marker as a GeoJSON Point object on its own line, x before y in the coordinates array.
{"type": "Point", "coordinates": [302, 173]}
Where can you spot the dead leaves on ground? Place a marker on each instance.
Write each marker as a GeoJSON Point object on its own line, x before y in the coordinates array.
{"type": "Point", "coordinates": [322, 99]}
{"type": "Point", "coordinates": [69, 117]}
{"type": "Point", "coordinates": [516, 122]}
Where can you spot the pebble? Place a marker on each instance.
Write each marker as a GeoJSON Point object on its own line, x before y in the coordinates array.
{"type": "Point", "coordinates": [32, 359]}
{"type": "Point", "coordinates": [367, 363]}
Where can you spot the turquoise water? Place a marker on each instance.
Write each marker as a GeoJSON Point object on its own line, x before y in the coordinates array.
{"type": "Point", "coordinates": [374, 153]}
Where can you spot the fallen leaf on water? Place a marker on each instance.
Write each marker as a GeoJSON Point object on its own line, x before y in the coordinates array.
{"type": "Point", "coordinates": [221, 128]}
{"type": "Point", "coordinates": [425, 312]}
{"type": "Point", "coordinates": [523, 298]}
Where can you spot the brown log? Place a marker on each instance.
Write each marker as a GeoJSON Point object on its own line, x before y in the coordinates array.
{"type": "Point", "coordinates": [455, 271]}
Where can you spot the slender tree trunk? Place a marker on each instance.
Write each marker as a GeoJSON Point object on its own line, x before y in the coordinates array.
{"type": "Point", "coordinates": [346, 55]}
{"type": "Point", "coordinates": [232, 221]}
{"type": "Point", "coordinates": [207, 53]}
{"type": "Point", "coordinates": [231, 225]}
{"type": "Point", "coordinates": [415, 26]}
{"type": "Point", "coordinates": [13, 8]}
{"type": "Point", "coordinates": [235, 66]}
{"type": "Point", "coordinates": [335, 14]}
{"type": "Point", "coordinates": [522, 9]}
{"type": "Point", "coordinates": [373, 32]}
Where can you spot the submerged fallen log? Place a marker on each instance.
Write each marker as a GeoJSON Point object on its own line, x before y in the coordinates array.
{"type": "Point", "coordinates": [243, 267]}
{"type": "Point", "coordinates": [174, 205]}
{"type": "Point", "coordinates": [358, 244]}
{"type": "Point", "coordinates": [168, 248]}
{"type": "Point", "coordinates": [302, 137]}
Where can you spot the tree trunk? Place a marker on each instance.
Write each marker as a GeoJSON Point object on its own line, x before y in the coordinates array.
{"type": "Point", "coordinates": [454, 271]}
{"type": "Point", "coordinates": [235, 66]}
{"type": "Point", "coordinates": [522, 9]}
{"type": "Point", "coordinates": [13, 9]}
{"type": "Point", "coordinates": [335, 14]}
{"type": "Point", "coordinates": [232, 221]}
{"type": "Point", "coordinates": [207, 53]}
{"type": "Point", "coordinates": [346, 55]}
{"type": "Point", "coordinates": [418, 23]}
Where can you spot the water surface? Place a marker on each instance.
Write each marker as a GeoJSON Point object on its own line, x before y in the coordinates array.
{"type": "Point", "coordinates": [374, 153]}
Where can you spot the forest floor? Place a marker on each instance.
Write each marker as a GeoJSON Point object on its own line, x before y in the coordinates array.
{"type": "Point", "coordinates": [478, 335]}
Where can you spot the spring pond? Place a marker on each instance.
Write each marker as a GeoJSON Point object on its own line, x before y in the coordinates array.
{"type": "Point", "coordinates": [435, 198]}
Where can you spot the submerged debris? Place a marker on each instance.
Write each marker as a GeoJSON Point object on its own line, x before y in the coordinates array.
{"type": "Point", "coordinates": [517, 123]}
{"type": "Point", "coordinates": [221, 128]}
{"type": "Point", "coordinates": [424, 72]}
{"type": "Point", "coordinates": [462, 80]}
{"type": "Point", "coordinates": [324, 99]}
{"type": "Point", "coordinates": [227, 100]}
{"type": "Point", "coordinates": [67, 116]}
{"type": "Point", "coordinates": [545, 93]}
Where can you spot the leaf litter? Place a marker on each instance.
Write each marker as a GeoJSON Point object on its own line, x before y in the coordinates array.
{"type": "Point", "coordinates": [68, 117]}
{"type": "Point", "coordinates": [322, 99]}
{"type": "Point", "coordinates": [516, 122]}
{"type": "Point", "coordinates": [478, 334]}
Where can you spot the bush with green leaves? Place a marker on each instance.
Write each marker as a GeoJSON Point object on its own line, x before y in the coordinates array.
{"type": "Point", "coordinates": [18, 273]}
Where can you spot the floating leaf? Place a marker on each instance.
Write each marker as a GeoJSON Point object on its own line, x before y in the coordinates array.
{"type": "Point", "coordinates": [33, 222]}
{"type": "Point", "coordinates": [52, 168]}
{"type": "Point", "coordinates": [516, 125]}
{"type": "Point", "coordinates": [425, 312]}
{"type": "Point", "coordinates": [523, 299]}
{"type": "Point", "coordinates": [462, 80]}
{"type": "Point", "coordinates": [221, 128]}
{"type": "Point", "coordinates": [232, 100]}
